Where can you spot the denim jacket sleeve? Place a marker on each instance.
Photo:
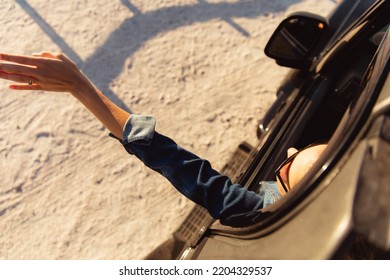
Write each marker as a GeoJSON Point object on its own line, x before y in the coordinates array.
{"type": "Point", "coordinates": [190, 175]}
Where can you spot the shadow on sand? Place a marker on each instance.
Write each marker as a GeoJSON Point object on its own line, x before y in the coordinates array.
{"type": "Point", "coordinates": [142, 27]}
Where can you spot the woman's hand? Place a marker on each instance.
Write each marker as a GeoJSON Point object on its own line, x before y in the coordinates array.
{"type": "Point", "coordinates": [55, 72]}
{"type": "Point", "coordinates": [42, 71]}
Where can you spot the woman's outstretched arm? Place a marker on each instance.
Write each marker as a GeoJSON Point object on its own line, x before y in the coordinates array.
{"type": "Point", "coordinates": [192, 176]}
{"type": "Point", "coordinates": [55, 72]}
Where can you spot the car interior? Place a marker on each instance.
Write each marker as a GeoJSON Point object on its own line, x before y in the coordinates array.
{"type": "Point", "coordinates": [311, 114]}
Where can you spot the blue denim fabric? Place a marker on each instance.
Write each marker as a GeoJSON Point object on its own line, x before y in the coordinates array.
{"type": "Point", "coordinates": [190, 175]}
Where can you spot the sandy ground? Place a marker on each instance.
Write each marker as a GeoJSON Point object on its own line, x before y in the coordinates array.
{"type": "Point", "coordinates": [67, 191]}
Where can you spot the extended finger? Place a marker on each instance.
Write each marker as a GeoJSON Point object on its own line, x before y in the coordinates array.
{"type": "Point", "coordinates": [16, 78]}
{"type": "Point", "coordinates": [26, 87]}
{"type": "Point", "coordinates": [11, 68]}
{"type": "Point", "coordinates": [21, 59]}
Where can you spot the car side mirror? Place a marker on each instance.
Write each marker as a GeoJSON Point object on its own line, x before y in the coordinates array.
{"type": "Point", "coordinates": [295, 39]}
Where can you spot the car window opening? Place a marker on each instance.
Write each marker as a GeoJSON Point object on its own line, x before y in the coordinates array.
{"type": "Point", "coordinates": [344, 84]}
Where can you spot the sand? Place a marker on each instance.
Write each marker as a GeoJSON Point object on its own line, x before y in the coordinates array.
{"type": "Point", "coordinates": [67, 191]}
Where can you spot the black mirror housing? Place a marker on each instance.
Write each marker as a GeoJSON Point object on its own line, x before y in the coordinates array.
{"type": "Point", "coordinates": [295, 38]}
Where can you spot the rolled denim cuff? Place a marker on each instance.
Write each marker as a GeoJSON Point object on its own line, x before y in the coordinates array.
{"type": "Point", "coordinates": [139, 130]}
